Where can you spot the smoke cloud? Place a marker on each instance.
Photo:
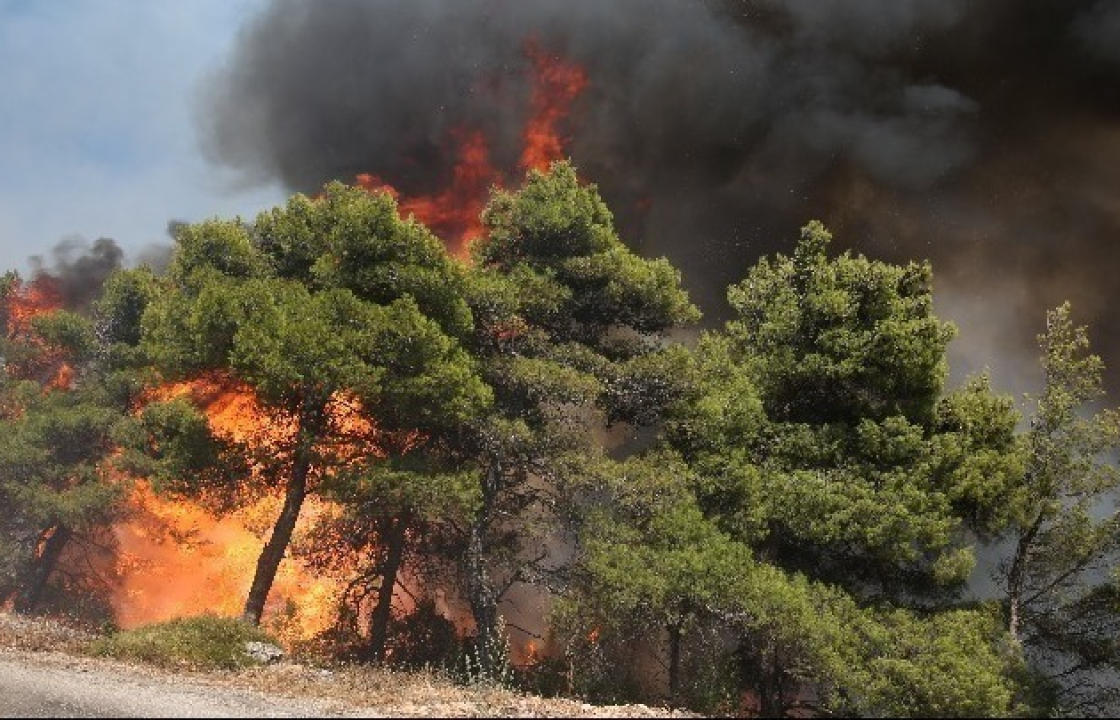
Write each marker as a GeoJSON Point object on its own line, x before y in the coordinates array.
{"type": "Point", "coordinates": [77, 269]}
{"type": "Point", "coordinates": [980, 135]}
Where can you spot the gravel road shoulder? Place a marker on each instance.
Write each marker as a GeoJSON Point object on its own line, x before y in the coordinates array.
{"type": "Point", "coordinates": [43, 673]}
{"type": "Point", "coordinates": [51, 684]}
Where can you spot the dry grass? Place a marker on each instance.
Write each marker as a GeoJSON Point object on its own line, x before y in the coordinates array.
{"type": "Point", "coordinates": [420, 694]}
{"type": "Point", "coordinates": [35, 634]}
{"type": "Point", "coordinates": [352, 690]}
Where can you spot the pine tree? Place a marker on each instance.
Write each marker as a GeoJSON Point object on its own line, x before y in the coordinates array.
{"type": "Point", "coordinates": [324, 301]}
{"type": "Point", "coordinates": [1063, 600]}
{"type": "Point", "coordinates": [824, 457]}
{"type": "Point", "coordinates": [68, 386]}
{"type": "Point", "coordinates": [570, 328]}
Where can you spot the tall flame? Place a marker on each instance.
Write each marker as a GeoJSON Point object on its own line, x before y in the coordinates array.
{"type": "Point", "coordinates": [556, 86]}
{"type": "Point", "coordinates": [24, 302]}
{"type": "Point", "coordinates": [176, 558]}
{"type": "Point", "coordinates": [454, 213]}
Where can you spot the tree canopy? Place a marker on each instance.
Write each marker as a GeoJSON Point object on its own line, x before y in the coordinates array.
{"type": "Point", "coordinates": [328, 299]}
{"type": "Point", "coordinates": [790, 525]}
{"type": "Point", "coordinates": [1061, 579]}
{"type": "Point", "coordinates": [565, 314]}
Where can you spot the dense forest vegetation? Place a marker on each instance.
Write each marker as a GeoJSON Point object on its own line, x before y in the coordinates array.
{"type": "Point", "coordinates": [791, 527]}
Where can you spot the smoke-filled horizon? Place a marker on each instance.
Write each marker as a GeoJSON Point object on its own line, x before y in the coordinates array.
{"type": "Point", "coordinates": [980, 135]}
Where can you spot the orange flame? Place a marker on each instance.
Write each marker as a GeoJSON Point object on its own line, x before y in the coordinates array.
{"type": "Point", "coordinates": [63, 378]}
{"type": "Point", "coordinates": [454, 213]}
{"type": "Point", "coordinates": [556, 85]}
{"type": "Point", "coordinates": [27, 300]}
{"type": "Point", "coordinates": [23, 303]}
{"type": "Point", "coordinates": [178, 559]}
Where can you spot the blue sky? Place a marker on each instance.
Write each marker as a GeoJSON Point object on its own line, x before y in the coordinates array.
{"type": "Point", "coordinates": [98, 100]}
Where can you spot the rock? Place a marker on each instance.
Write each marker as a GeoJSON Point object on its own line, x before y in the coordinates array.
{"type": "Point", "coordinates": [264, 653]}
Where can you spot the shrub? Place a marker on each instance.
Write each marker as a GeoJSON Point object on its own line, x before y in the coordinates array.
{"type": "Point", "coordinates": [203, 642]}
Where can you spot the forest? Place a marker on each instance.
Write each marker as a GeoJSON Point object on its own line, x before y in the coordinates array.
{"type": "Point", "coordinates": [790, 514]}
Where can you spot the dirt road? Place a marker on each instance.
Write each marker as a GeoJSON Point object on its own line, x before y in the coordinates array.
{"type": "Point", "coordinates": [55, 685]}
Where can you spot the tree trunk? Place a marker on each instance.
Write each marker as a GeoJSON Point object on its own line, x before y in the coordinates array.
{"type": "Point", "coordinates": [1016, 576]}
{"type": "Point", "coordinates": [772, 701]}
{"type": "Point", "coordinates": [56, 540]}
{"type": "Point", "coordinates": [480, 591]}
{"type": "Point", "coordinates": [379, 620]}
{"type": "Point", "coordinates": [674, 665]}
{"type": "Point", "coordinates": [310, 422]}
{"type": "Point", "coordinates": [772, 704]}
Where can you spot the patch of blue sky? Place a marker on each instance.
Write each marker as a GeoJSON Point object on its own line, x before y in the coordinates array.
{"type": "Point", "coordinates": [97, 101]}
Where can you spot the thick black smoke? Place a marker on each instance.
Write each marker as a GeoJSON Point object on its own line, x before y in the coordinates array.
{"type": "Point", "coordinates": [77, 268]}
{"type": "Point", "coordinates": [982, 134]}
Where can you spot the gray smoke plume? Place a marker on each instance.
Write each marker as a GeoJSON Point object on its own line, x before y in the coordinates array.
{"type": "Point", "coordinates": [980, 134]}
{"type": "Point", "coordinates": [76, 269]}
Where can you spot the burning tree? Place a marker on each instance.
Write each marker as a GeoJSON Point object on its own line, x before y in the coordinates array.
{"type": "Point", "coordinates": [68, 386]}
{"type": "Point", "coordinates": [54, 485]}
{"type": "Point", "coordinates": [569, 328]}
{"type": "Point", "coordinates": [341, 319]}
{"type": "Point", "coordinates": [402, 515]}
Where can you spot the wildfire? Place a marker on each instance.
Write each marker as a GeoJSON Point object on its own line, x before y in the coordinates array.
{"type": "Point", "coordinates": [177, 558]}
{"type": "Point", "coordinates": [26, 300]}
{"type": "Point", "coordinates": [556, 85]}
{"type": "Point", "coordinates": [63, 379]}
{"type": "Point", "coordinates": [454, 213]}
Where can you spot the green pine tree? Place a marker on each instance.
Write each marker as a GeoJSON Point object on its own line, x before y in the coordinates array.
{"type": "Point", "coordinates": [324, 300]}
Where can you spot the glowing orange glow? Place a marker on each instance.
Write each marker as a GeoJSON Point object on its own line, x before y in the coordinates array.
{"type": "Point", "coordinates": [63, 377]}
{"type": "Point", "coordinates": [44, 538]}
{"type": "Point", "coordinates": [556, 85]}
{"type": "Point", "coordinates": [454, 213]}
{"type": "Point", "coordinates": [27, 300]}
{"type": "Point", "coordinates": [232, 408]}
{"type": "Point", "coordinates": [178, 559]}
{"type": "Point", "coordinates": [23, 303]}
{"type": "Point", "coordinates": [593, 636]}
